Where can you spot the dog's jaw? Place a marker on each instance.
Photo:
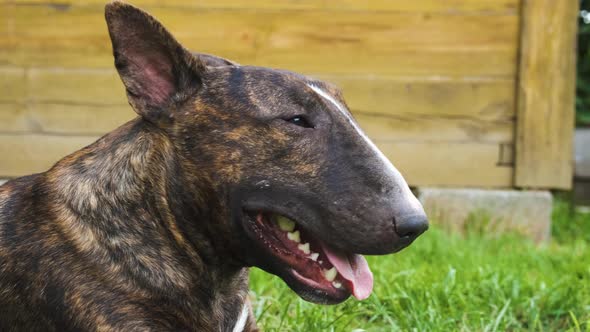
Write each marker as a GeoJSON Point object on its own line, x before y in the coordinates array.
{"type": "Point", "coordinates": [317, 272]}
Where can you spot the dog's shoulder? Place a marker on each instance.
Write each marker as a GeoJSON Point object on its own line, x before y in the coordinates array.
{"type": "Point", "coordinates": [18, 215]}
{"type": "Point", "coordinates": [18, 196]}
{"type": "Point", "coordinates": [22, 208]}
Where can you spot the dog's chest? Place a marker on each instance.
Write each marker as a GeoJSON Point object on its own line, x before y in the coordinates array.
{"type": "Point", "coordinates": [230, 307]}
{"type": "Point", "coordinates": [242, 319]}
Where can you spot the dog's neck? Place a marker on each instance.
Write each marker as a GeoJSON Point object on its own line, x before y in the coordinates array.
{"type": "Point", "coordinates": [128, 191]}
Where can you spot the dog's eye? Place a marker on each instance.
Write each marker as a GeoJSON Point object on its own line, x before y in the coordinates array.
{"type": "Point", "coordinates": [300, 121]}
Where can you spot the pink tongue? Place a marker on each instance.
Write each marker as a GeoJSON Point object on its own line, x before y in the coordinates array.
{"type": "Point", "coordinates": [353, 268]}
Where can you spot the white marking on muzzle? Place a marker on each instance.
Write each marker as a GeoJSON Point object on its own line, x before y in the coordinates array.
{"type": "Point", "coordinates": [412, 200]}
{"type": "Point", "coordinates": [241, 322]}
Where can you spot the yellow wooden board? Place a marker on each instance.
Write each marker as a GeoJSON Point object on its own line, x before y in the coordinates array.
{"type": "Point", "coordinates": [467, 164]}
{"type": "Point", "coordinates": [14, 119]}
{"type": "Point", "coordinates": [486, 98]}
{"type": "Point", "coordinates": [76, 86]}
{"type": "Point", "coordinates": [491, 99]}
{"type": "Point", "coordinates": [418, 128]}
{"type": "Point", "coordinates": [422, 163]}
{"type": "Point", "coordinates": [546, 95]}
{"type": "Point", "coordinates": [62, 119]}
{"type": "Point", "coordinates": [448, 62]}
{"type": "Point", "coordinates": [91, 101]}
{"type": "Point", "coordinates": [12, 84]}
{"type": "Point", "coordinates": [446, 6]}
{"type": "Point", "coordinates": [27, 154]}
{"type": "Point", "coordinates": [385, 43]}
{"type": "Point", "coordinates": [433, 82]}
{"type": "Point", "coordinates": [66, 119]}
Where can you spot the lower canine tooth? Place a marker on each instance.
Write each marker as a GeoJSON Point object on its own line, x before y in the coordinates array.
{"type": "Point", "coordinates": [336, 284]}
{"type": "Point", "coordinates": [314, 256]}
{"type": "Point", "coordinates": [304, 248]}
{"type": "Point", "coordinates": [295, 237]}
{"type": "Point", "coordinates": [330, 274]}
{"type": "Point", "coordinates": [285, 224]}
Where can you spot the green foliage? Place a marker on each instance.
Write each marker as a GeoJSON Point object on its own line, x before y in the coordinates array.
{"type": "Point", "coordinates": [568, 225]}
{"type": "Point", "coordinates": [451, 283]}
{"type": "Point", "coordinates": [583, 83]}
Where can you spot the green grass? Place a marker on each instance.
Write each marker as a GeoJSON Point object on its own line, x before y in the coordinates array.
{"type": "Point", "coordinates": [455, 283]}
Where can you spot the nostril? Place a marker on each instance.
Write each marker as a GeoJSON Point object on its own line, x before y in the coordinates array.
{"type": "Point", "coordinates": [409, 234]}
{"type": "Point", "coordinates": [411, 226]}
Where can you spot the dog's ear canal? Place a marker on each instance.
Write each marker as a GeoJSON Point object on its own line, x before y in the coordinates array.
{"type": "Point", "coordinates": [157, 71]}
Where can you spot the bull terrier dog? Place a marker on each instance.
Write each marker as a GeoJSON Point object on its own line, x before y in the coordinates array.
{"type": "Point", "coordinates": [153, 226]}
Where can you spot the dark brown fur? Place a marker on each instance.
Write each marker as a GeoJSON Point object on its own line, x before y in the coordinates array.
{"type": "Point", "coordinates": [143, 231]}
{"type": "Point", "coordinates": [100, 244]}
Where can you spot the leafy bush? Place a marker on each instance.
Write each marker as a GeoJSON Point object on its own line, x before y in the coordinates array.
{"type": "Point", "coordinates": [583, 89]}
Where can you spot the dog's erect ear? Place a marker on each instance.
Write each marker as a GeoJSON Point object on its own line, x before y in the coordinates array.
{"type": "Point", "coordinates": [157, 71]}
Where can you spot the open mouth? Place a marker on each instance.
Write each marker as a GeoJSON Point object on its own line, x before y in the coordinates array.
{"type": "Point", "coordinates": [309, 262]}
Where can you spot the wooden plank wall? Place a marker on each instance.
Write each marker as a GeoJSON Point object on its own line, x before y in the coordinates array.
{"type": "Point", "coordinates": [432, 82]}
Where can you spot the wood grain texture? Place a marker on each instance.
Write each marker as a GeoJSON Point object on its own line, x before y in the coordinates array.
{"type": "Point", "coordinates": [76, 86]}
{"type": "Point", "coordinates": [27, 154]}
{"type": "Point", "coordinates": [13, 119]}
{"type": "Point", "coordinates": [62, 119]}
{"type": "Point", "coordinates": [92, 101]}
{"type": "Point", "coordinates": [447, 6]}
{"type": "Point", "coordinates": [80, 119]}
{"type": "Point", "coordinates": [483, 98]}
{"type": "Point", "coordinates": [487, 98]}
{"type": "Point", "coordinates": [383, 43]}
{"type": "Point", "coordinates": [546, 93]}
{"type": "Point", "coordinates": [12, 84]}
{"type": "Point", "coordinates": [418, 128]}
{"type": "Point", "coordinates": [422, 163]}
{"type": "Point", "coordinates": [432, 82]}
{"type": "Point", "coordinates": [449, 164]}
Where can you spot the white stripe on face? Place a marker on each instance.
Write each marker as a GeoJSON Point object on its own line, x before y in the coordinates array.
{"type": "Point", "coordinates": [387, 165]}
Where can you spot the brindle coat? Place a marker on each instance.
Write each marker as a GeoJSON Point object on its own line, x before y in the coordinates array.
{"type": "Point", "coordinates": [142, 231]}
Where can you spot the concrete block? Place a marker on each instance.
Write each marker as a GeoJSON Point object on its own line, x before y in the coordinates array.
{"type": "Point", "coordinates": [582, 152]}
{"type": "Point", "coordinates": [490, 211]}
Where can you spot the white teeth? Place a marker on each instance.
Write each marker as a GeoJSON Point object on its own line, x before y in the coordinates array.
{"type": "Point", "coordinates": [285, 224]}
{"type": "Point", "coordinates": [304, 248]}
{"type": "Point", "coordinates": [336, 284]}
{"type": "Point", "coordinates": [295, 236]}
{"type": "Point", "coordinates": [330, 274]}
{"type": "Point", "coordinates": [314, 256]}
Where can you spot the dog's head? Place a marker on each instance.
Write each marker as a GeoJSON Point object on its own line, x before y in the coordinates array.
{"type": "Point", "coordinates": [306, 191]}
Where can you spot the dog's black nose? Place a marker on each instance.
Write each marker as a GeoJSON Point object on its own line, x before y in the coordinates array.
{"type": "Point", "coordinates": [411, 227]}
